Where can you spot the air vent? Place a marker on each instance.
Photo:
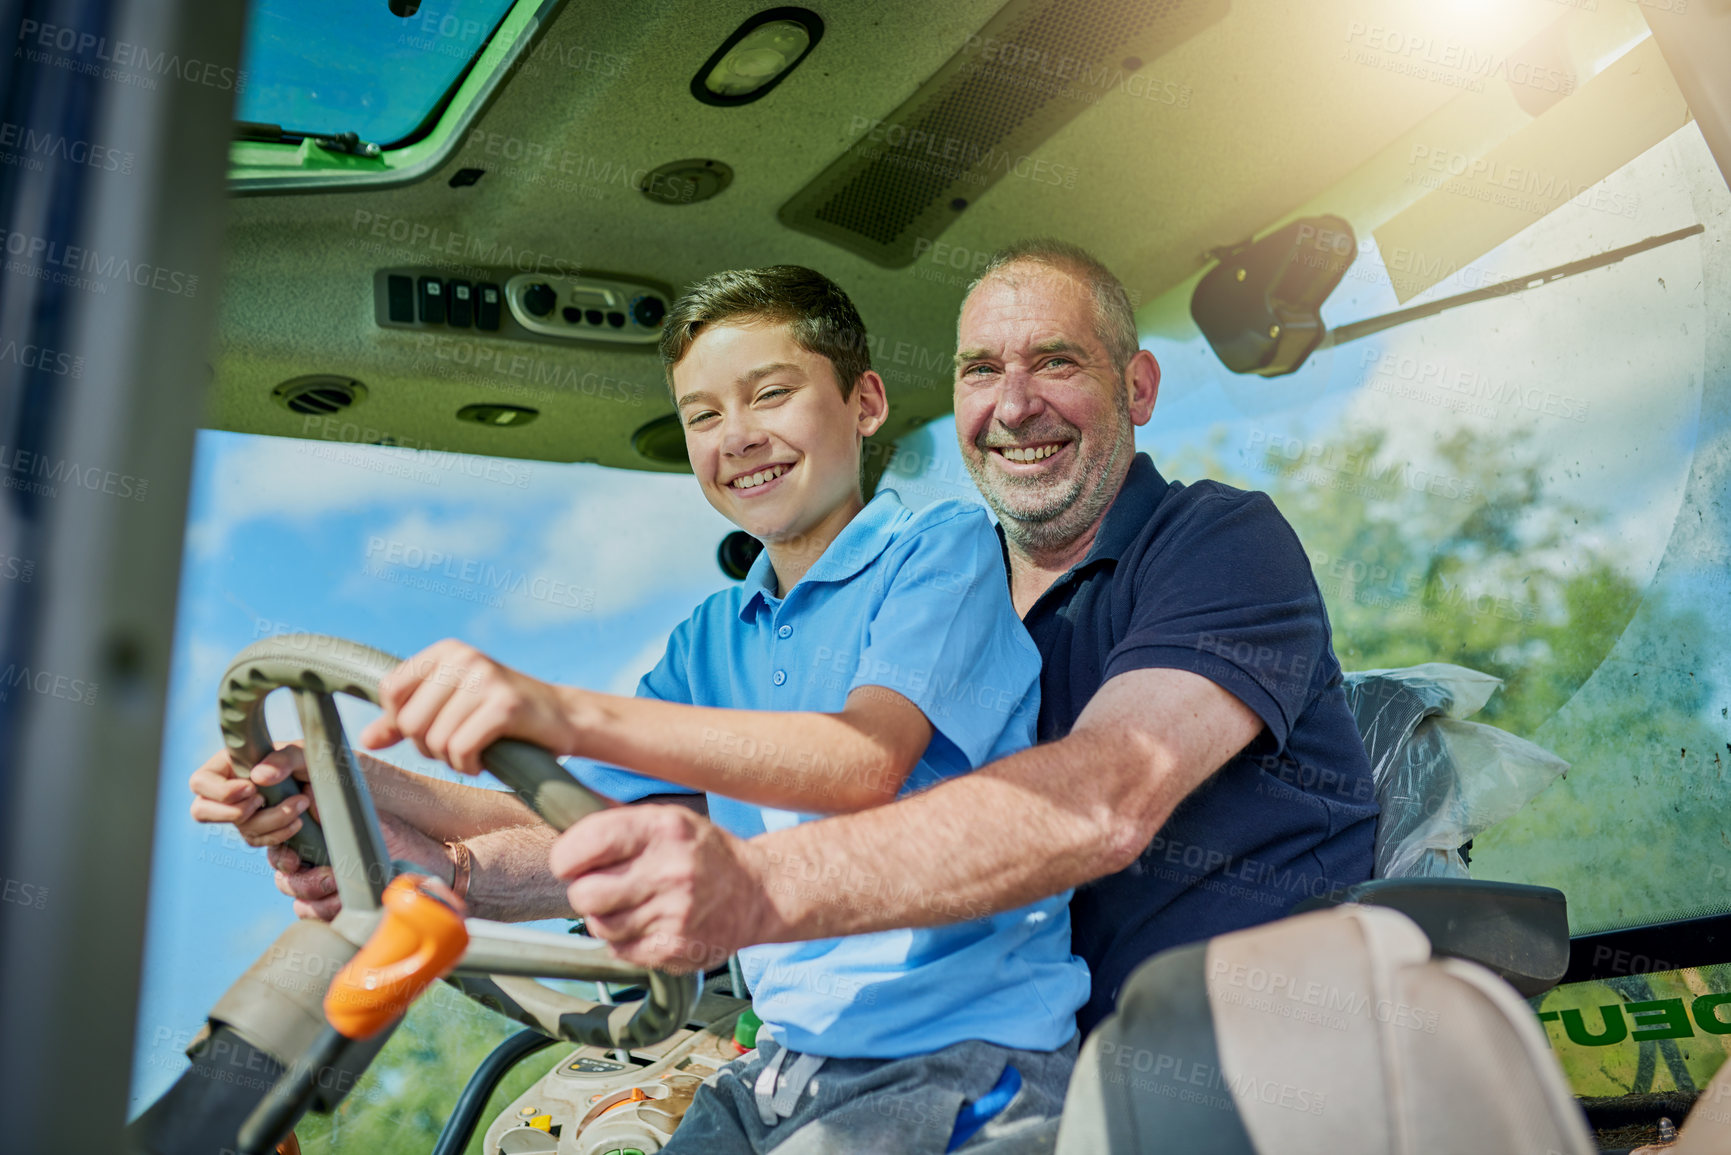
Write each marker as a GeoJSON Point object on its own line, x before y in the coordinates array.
{"type": "Point", "coordinates": [1027, 73]}
{"type": "Point", "coordinates": [319, 395]}
{"type": "Point", "coordinates": [662, 441]}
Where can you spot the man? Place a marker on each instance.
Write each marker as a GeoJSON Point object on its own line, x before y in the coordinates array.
{"type": "Point", "coordinates": [1198, 771]}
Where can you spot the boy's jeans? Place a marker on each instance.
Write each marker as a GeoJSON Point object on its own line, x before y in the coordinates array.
{"type": "Point", "coordinates": [872, 1106]}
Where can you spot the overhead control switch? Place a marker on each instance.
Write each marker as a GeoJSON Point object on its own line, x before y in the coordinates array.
{"type": "Point", "coordinates": [487, 306]}
{"type": "Point", "coordinates": [541, 307]}
{"type": "Point", "coordinates": [432, 298]}
{"type": "Point", "coordinates": [401, 294]}
{"type": "Point", "coordinates": [462, 304]}
{"type": "Point", "coordinates": [606, 309]}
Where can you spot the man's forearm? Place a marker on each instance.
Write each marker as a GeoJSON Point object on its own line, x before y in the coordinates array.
{"type": "Point", "coordinates": [508, 843]}
{"type": "Point", "coordinates": [989, 841]}
{"type": "Point", "coordinates": [509, 880]}
{"type": "Point", "coordinates": [1046, 820]}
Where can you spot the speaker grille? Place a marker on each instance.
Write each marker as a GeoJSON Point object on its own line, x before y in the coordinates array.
{"type": "Point", "coordinates": [1028, 72]}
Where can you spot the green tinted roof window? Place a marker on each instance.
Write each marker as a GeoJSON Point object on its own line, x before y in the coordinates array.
{"type": "Point", "coordinates": [322, 67]}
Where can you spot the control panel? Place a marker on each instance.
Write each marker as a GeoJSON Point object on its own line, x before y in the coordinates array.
{"type": "Point", "coordinates": [587, 308]}
{"type": "Point", "coordinates": [597, 1102]}
{"type": "Point", "coordinates": [533, 306]}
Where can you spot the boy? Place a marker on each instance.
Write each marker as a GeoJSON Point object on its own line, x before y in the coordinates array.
{"type": "Point", "coordinates": [870, 651]}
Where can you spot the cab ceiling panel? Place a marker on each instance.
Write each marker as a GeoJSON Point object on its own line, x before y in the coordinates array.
{"type": "Point", "coordinates": [1250, 112]}
{"type": "Point", "coordinates": [600, 101]}
{"type": "Point", "coordinates": [1029, 71]}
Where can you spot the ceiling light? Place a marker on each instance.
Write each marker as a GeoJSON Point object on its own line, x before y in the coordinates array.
{"type": "Point", "coordinates": [685, 182]}
{"type": "Point", "coordinates": [757, 56]}
{"type": "Point", "coordinates": [498, 415]}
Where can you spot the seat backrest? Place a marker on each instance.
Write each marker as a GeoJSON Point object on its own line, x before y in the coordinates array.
{"type": "Point", "coordinates": [1520, 932]}
{"type": "Point", "coordinates": [1707, 1130]}
{"type": "Point", "coordinates": [1330, 1032]}
{"type": "Point", "coordinates": [1389, 708]}
{"type": "Point", "coordinates": [1388, 705]}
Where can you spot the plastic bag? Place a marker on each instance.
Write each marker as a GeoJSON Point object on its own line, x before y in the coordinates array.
{"type": "Point", "coordinates": [1440, 780]}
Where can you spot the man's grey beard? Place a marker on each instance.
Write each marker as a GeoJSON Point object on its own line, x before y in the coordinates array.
{"type": "Point", "coordinates": [1067, 513]}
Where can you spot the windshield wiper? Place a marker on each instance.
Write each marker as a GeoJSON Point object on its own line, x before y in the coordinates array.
{"type": "Point", "coordinates": [1369, 325]}
{"type": "Point", "coordinates": [344, 142]}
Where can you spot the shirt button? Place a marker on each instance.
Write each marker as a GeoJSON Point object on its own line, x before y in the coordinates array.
{"type": "Point", "coordinates": [780, 677]}
{"type": "Point", "coordinates": [785, 632]}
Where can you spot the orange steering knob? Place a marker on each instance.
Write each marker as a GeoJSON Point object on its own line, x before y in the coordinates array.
{"type": "Point", "coordinates": [418, 940]}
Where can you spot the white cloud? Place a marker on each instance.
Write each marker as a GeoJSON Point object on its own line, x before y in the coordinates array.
{"type": "Point", "coordinates": [257, 478]}
{"type": "Point", "coordinates": [626, 543]}
{"type": "Point", "coordinates": [473, 537]}
{"type": "Point", "coordinates": [618, 537]}
{"type": "Point", "coordinates": [624, 682]}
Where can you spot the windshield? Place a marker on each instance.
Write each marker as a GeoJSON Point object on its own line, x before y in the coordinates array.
{"type": "Point", "coordinates": [1530, 485]}
{"type": "Point", "coordinates": [320, 67]}
{"type": "Point", "coordinates": [1512, 486]}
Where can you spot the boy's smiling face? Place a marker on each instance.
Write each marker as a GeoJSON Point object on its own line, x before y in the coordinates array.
{"type": "Point", "coordinates": [772, 440]}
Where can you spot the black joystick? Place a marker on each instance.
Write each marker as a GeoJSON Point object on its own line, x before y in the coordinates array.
{"type": "Point", "coordinates": [648, 311]}
{"type": "Point", "coordinates": [540, 298]}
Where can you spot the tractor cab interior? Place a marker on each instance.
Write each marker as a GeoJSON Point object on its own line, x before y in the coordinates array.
{"type": "Point", "coordinates": [1449, 279]}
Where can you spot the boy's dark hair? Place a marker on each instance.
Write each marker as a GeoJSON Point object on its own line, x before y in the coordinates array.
{"type": "Point", "coordinates": [817, 313]}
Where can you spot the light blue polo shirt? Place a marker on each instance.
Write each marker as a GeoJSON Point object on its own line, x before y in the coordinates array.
{"type": "Point", "coordinates": [918, 603]}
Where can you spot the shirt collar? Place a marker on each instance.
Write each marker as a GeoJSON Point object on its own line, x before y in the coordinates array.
{"type": "Point", "coordinates": [860, 543]}
{"type": "Point", "coordinates": [1142, 490]}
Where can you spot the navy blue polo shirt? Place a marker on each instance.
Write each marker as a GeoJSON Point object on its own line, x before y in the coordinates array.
{"type": "Point", "coordinates": [1210, 579]}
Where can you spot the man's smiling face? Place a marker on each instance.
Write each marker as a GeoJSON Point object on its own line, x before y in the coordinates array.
{"type": "Point", "coordinates": [1044, 418]}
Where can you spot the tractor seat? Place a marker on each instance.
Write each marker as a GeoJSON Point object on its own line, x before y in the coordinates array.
{"type": "Point", "coordinates": [1327, 1033]}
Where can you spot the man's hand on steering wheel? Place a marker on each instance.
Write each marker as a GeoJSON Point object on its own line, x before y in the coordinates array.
{"type": "Point", "coordinates": [453, 702]}
{"type": "Point", "coordinates": [665, 888]}
{"type": "Point", "coordinates": [316, 668]}
{"type": "Point", "coordinates": [222, 796]}
{"type": "Point", "coordinates": [314, 889]}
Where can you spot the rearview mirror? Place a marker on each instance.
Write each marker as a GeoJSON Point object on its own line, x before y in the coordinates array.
{"type": "Point", "coordinates": [1260, 307]}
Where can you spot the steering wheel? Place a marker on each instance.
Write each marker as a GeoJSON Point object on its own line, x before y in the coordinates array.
{"type": "Point", "coordinates": [501, 960]}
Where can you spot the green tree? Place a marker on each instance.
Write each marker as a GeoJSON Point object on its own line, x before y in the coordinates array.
{"type": "Point", "coordinates": [1472, 561]}
{"type": "Point", "coordinates": [1469, 559]}
{"type": "Point", "coordinates": [400, 1105]}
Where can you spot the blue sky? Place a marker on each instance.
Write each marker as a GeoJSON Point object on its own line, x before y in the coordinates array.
{"type": "Point", "coordinates": [333, 66]}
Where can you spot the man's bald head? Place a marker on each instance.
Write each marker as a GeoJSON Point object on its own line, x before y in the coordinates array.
{"type": "Point", "coordinates": [1114, 319]}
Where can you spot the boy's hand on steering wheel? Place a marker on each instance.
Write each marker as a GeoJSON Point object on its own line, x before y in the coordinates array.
{"type": "Point", "coordinates": [222, 796]}
{"type": "Point", "coordinates": [453, 702]}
